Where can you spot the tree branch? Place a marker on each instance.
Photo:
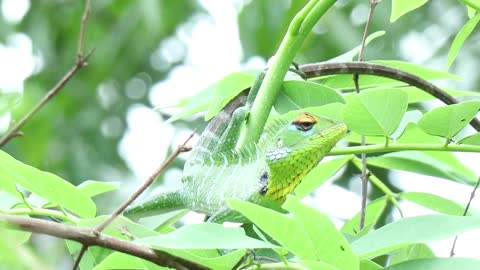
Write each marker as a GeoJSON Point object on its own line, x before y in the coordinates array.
{"type": "Point", "coordinates": [134, 196]}
{"type": "Point", "coordinates": [89, 237]}
{"type": "Point", "coordinates": [322, 69]}
{"type": "Point", "coordinates": [80, 63]}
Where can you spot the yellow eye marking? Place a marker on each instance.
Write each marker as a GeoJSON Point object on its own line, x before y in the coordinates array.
{"type": "Point", "coordinates": [304, 121]}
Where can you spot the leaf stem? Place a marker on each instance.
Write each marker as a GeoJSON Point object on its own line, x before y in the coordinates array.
{"type": "Point", "coordinates": [41, 212]}
{"type": "Point", "coordinates": [379, 148]}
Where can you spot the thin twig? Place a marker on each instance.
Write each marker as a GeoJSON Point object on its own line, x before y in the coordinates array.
{"type": "Point", "coordinates": [54, 91]}
{"type": "Point", "coordinates": [83, 29]}
{"type": "Point", "coordinates": [82, 251]}
{"type": "Point", "coordinates": [136, 194]}
{"type": "Point", "coordinates": [88, 237]}
{"type": "Point", "coordinates": [364, 176]}
{"type": "Point", "coordinates": [148, 182]}
{"type": "Point", "coordinates": [373, 4]}
{"type": "Point", "coordinates": [472, 195]}
{"type": "Point", "coordinates": [80, 63]}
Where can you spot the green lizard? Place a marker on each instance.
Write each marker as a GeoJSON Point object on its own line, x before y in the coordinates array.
{"type": "Point", "coordinates": [263, 173]}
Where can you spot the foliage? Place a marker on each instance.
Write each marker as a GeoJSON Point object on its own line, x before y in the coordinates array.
{"type": "Point", "coordinates": [408, 138]}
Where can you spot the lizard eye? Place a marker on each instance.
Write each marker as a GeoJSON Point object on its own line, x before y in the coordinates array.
{"type": "Point", "coordinates": [304, 121]}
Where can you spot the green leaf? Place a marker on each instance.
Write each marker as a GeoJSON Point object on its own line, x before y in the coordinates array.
{"type": "Point", "coordinates": [411, 134]}
{"type": "Point", "coordinates": [332, 110]}
{"type": "Point", "coordinates": [348, 56]}
{"type": "Point", "coordinates": [160, 222]}
{"type": "Point", "coordinates": [275, 224]}
{"type": "Point", "coordinates": [402, 7]}
{"type": "Point", "coordinates": [119, 260]}
{"type": "Point", "coordinates": [210, 258]}
{"type": "Point", "coordinates": [369, 265]}
{"type": "Point", "coordinates": [375, 113]}
{"type": "Point", "coordinates": [320, 229]}
{"type": "Point", "coordinates": [416, 95]}
{"type": "Point", "coordinates": [407, 231]}
{"type": "Point", "coordinates": [345, 82]}
{"type": "Point", "coordinates": [460, 38]}
{"type": "Point", "coordinates": [9, 186]}
{"type": "Point", "coordinates": [199, 236]}
{"type": "Point", "coordinates": [301, 94]}
{"type": "Point", "coordinates": [373, 212]}
{"type": "Point", "coordinates": [227, 89]}
{"type": "Point", "coordinates": [311, 228]}
{"type": "Point", "coordinates": [438, 164]}
{"type": "Point", "coordinates": [47, 185]}
{"type": "Point", "coordinates": [91, 257]}
{"type": "Point", "coordinates": [414, 134]}
{"type": "Point", "coordinates": [433, 202]}
{"type": "Point", "coordinates": [194, 104]}
{"type": "Point", "coordinates": [408, 117]}
{"type": "Point", "coordinates": [438, 264]}
{"type": "Point", "coordinates": [93, 188]}
{"type": "Point", "coordinates": [409, 253]}
{"type": "Point", "coordinates": [319, 175]}
{"type": "Point", "coordinates": [470, 11]}
{"type": "Point", "coordinates": [317, 265]}
{"type": "Point", "coordinates": [226, 261]}
{"type": "Point", "coordinates": [473, 139]}
{"type": "Point", "coordinates": [14, 233]}
{"type": "Point", "coordinates": [11, 247]}
{"type": "Point", "coordinates": [447, 121]}
{"type": "Point", "coordinates": [121, 228]}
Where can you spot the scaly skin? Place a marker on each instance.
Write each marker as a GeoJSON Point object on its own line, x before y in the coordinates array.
{"type": "Point", "coordinates": [297, 149]}
{"type": "Point", "coordinates": [263, 173]}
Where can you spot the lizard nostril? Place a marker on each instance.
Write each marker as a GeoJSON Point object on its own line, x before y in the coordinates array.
{"type": "Point", "coordinates": [279, 143]}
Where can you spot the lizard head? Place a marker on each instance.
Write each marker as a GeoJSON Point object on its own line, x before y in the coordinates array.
{"type": "Point", "coordinates": [297, 148]}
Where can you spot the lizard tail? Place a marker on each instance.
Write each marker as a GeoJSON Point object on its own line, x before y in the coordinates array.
{"type": "Point", "coordinates": [163, 203]}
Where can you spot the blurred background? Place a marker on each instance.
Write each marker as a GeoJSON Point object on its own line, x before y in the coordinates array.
{"type": "Point", "coordinates": [152, 53]}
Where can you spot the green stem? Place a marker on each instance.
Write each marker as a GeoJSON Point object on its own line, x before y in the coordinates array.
{"type": "Point", "coordinates": [379, 148]}
{"type": "Point", "coordinates": [299, 28]}
{"type": "Point", "coordinates": [41, 212]}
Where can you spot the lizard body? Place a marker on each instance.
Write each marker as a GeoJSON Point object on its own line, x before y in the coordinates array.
{"type": "Point", "coordinates": [265, 172]}
{"type": "Point", "coordinates": [262, 173]}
